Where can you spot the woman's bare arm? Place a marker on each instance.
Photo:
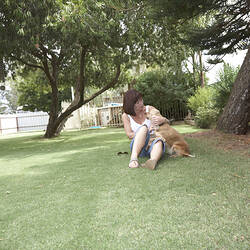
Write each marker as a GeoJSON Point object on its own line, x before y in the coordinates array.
{"type": "Point", "coordinates": [127, 126]}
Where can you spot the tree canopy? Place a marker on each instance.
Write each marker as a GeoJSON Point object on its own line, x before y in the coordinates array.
{"type": "Point", "coordinates": [227, 31]}
{"type": "Point", "coordinates": [93, 42]}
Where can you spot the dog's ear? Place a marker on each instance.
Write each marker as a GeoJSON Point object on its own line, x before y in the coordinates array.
{"type": "Point", "coordinates": [155, 111]}
{"type": "Point", "coordinates": [174, 149]}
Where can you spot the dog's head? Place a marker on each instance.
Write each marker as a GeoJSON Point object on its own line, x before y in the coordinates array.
{"type": "Point", "coordinates": [150, 114]}
{"type": "Point", "coordinates": [153, 112]}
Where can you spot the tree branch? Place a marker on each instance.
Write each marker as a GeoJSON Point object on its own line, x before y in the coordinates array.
{"type": "Point", "coordinates": [108, 86]}
{"type": "Point", "coordinates": [46, 52]}
{"type": "Point", "coordinates": [28, 64]}
{"type": "Point", "coordinates": [137, 7]}
{"type": "Point", "coordinates": [47, 72]}
{"type": "Point", "coordinates": [72, 107]}
{"type": "Point", "coordinates": [61, 55]}
{"type": "Point", "coordinates": [81, 80]}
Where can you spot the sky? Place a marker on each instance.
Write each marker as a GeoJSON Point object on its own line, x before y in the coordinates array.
{"type": "Point", "coordinates": [235, 60]}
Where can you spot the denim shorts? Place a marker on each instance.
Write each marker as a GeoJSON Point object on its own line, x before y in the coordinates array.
{"type": "Point", "coordinates": [145, 150]}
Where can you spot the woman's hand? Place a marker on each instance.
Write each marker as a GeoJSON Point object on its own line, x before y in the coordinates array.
{"type": "Point", "coordinates": [157, 120]}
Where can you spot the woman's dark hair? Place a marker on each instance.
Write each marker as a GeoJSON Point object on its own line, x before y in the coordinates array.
{"type": "Point", "coordinates": [129, 100]}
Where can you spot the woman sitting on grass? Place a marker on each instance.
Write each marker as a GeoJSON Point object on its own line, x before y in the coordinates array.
{"type": "Point", "coordinates": [137, 128]}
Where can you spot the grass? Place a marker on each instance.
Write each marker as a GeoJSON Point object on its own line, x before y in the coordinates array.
{"type": "Point", "coordinates": [75, 192]}
{"type": "Point", "coordinates": [183, 128]}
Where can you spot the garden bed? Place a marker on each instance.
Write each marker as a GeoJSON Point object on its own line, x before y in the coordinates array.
{"type": "Point", "coordinates": [227, 142]}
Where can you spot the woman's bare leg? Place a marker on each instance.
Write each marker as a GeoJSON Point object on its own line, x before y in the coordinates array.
{"type": "Point", "coordinates": [139, 142]}
{"type": "Point", "coordinates": [155, 155]}
{"type": "Point", "coordinates": [156, 152]}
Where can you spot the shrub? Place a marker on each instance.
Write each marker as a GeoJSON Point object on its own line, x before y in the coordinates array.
{"type": "Point", "coordinates": [206, 117]}
{"type": "Point", "coordinates": [166, 91]}
{"type": "Point", "coordinates": [203, 97]}
{"type": "Point", "coordinates": [159, 86]}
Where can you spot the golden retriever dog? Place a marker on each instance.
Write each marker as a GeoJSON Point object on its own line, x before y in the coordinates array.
{"type": "Point", "coordinates": [176, 142]}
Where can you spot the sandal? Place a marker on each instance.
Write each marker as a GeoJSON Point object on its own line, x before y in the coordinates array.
{"type": "Point", "coordinates": [122, 153]}
{"type": "Point", "coordinates": [134, 160]}
{"type": "Point", "coordinates": [150, 164]}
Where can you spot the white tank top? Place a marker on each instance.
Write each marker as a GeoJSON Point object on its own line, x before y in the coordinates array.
{"type": "Point", "coordinates": [134, 125]}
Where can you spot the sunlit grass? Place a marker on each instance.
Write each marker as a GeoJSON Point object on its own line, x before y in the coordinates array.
{"type": "Point", "coordinates": [75, 192]}
{"type": "Point", "coordinates": [184, 128]}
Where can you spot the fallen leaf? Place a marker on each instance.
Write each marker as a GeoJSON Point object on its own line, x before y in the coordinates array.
{"type": "Point", "coordinates": [235, 175]}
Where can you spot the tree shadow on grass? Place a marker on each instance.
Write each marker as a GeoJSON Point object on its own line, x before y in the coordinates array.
{"type": "Point", "coordinates": [19, 148]}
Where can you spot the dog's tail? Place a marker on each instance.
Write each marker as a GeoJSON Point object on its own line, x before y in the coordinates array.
{"type": "Point", "coordinates": [188, 155]}
{"type": "Point", "coordinates": [183, 152]}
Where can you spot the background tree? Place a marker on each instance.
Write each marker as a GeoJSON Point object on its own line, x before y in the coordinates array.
{"type": "Point", "coordinates": [224, 84]}
{"type": "Point", "coordinates": [12, 100]}
{"type": "Point", "coordinates": [167, 92]}
{"type": "Point", "coordinates": [3, 106]}
{"type": "Point", "coordinates": [35, 93]}
{"type": "Point", "coordinates": [227, 32]}
{"type": "Point", "coordinates": [8, 99]}
{"type": "Point", "coordinates": [169, 85]}
{"type": "Point", "coordinates": [98, 39]}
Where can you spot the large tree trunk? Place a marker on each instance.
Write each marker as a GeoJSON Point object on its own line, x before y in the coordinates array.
{"type": "Point", "coordinates": [54, 109]}
{"type": "Point", "coordinates": [50, 131]}
{"type": "Point", "coordinates": [236, 114]}
{"type": "Point", "coordinates": [56, 121]}
{"type": "Point", "coordinates": [54, 128]}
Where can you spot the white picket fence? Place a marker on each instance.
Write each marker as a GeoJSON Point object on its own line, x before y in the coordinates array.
{"type": "Point", "coordinates": [85, 117]}
{"type": "Point", "coordinates": [92, 116]}
{"type": "Point", "coordinates": [20, 122]}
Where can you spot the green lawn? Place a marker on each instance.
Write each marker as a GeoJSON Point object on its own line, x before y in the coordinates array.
{"type": "Point", "coordinates": [75, 192]}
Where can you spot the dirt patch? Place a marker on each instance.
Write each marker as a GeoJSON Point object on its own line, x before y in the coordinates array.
{"type": "Point", "coordinates": [227, 142]}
